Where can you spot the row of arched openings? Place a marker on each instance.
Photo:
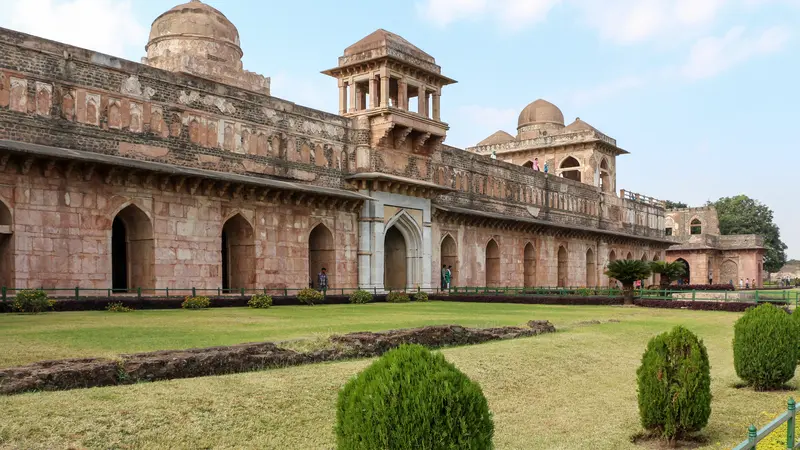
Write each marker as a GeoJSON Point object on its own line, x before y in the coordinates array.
{"type": "Point", "coordinates": [133, 252]}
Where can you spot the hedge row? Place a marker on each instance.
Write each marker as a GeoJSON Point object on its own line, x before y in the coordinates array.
{"type": "Point", "coordinates": [702, 287]}
{"type": "Point", "coordinates": [100, 303]}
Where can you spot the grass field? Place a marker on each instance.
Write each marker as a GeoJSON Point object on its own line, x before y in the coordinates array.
{"type": "Point", "coordinates": [572, 389]}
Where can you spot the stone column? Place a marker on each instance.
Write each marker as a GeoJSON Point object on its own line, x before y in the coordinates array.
{"type": "Point", "coordinates": [422, 101]}
{"type": "Point", "coordinates": [352, 97]}
{"type": "Point", "coordinates": [436, 106]}
{"type": "Point", "coordinates": [342, 97]}
{"type": "Point", "coordinates": [384, 90]}
{"type": "Point", "coordinates": [373, 92]}
{"type": "Point", "coordinates": [402, 94]}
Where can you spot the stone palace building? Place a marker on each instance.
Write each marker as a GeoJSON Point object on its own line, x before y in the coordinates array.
{"type": "Point", "coordinates": [183, 171]}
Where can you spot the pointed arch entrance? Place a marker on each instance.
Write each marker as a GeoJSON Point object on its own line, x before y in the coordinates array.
{"type": "Point", "coordinates": [571, 169]}
{"type": "Point", "coordinates": [6, 247]}
{"type": "Point", "coordinates": [132, 251]}
{"type": "Point", "coordinates": [449, 252]}
{"type": "Point", "coordinates": [321, 254]}
{"type": "Point", "coordinates": [688, 277]}
{"type": "Point", "coordinates": [591, 269]}
{"type": "Point", "coordinates": [402, 253]}
{"type": "Point", "coordinates": [529, 262]}
{"type": "Point", "coordinates": [238, 254]}
{"type": "Point", "coordinates": [492, 264]}
{"type": "Point", "coordinates": [563, 261]}
{"type": "Point", "coordinates": [612, 256]}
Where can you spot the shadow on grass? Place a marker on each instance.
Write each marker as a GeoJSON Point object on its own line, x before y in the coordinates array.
{"type": "Point", "coordinates": [652, 440]}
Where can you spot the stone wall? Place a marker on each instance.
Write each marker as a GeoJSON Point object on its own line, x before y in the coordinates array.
{"type": "Point", "coordinates": [63, 224]}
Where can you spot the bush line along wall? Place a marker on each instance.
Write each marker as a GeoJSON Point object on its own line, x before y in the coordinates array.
{"type": "Point", "coordinates": [172, 364]}
{"type": "Point", "coordinates": [100, 303]}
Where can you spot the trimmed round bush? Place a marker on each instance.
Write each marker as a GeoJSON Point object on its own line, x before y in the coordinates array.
{"type": "Point", "coordinates": [261, 301]}
{"type": "Point", "coordinates": [32, 301]}
{"type": "Point", "coordinates": [421, 297]}
{"type": "Point", "coordinates": [411, 398]}
{"type": "Point", "coordinates": [397, 297]}
{"type": "Point", "coordinates": [310, 296]}
{"type": "Point", "coordinates": [197, 302]}
{"type": "Point", "coordinates": [765, 347]}
{"type": "Point", "coordinates": [674, 384]}
{"type": "Point", "coordinates": [361, 296]}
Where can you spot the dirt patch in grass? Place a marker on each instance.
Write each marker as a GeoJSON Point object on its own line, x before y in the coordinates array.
{"type": "Point", "coordinates": [172, 364]}
{"type": "Point", "coordinates": [656, 442]}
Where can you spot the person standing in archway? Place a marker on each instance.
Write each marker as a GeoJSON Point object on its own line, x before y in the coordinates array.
{"type": "Point", "coordinates": [322, 281]}
{"type": "Point", "coordinates": [448, 276]}
{"type": "Point", "coordinates": [536, 164]}
{"type": "Point", "coordinates": [444, 276]}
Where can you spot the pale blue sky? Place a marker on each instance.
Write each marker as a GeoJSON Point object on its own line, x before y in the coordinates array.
{"type": "Point", "coordinates": [703, 93]}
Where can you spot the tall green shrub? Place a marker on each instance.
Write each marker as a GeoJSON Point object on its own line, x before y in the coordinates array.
{"type": "Point", "coordinates": [674, 384]}
{"type": "Point", "coordinates": [360, 296]}
{"type": "Point", "coordinates": [765, 347]}
{"type": "Point", "coordinates": [413, 399]}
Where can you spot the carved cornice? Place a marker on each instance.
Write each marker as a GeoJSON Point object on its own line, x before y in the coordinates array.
{"type": "Point", "coordinates": [401, 135]}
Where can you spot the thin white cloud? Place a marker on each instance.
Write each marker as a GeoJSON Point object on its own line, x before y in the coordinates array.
{"type": "Point", "coordinates": [607, 90]}
{"type": "Point", "coordinates": [107, 26]}
{"type": "Point", "coordinates": [713, 55]}
{"type": "Point", "coordinates": [514, 14]}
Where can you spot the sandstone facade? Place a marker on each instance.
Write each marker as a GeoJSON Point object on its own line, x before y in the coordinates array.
{"type": "Point", "coordinates": [711, 258]}
{"type": "Point", "coordinates": [121, 175]}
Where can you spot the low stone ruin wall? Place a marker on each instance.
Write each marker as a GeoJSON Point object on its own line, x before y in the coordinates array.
{"type": "Point", "coordinates": [172, 364]}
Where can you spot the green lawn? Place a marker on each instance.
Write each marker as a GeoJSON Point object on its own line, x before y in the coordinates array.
{"type": "Point", "coordinates": [572, 389]}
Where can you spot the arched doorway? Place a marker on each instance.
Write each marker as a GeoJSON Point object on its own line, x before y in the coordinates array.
{"type": "Point", "coordinates": [321, 254]}
{"type": "Point", "coordinates": [570, 169]}
{"type": "Point", "coordinates": [238, 254]}
{"type": "Point", "coordinates": [528, 164]}
{"type": "Point", "coordinates": [630, 256]}
{"type": "Point", "coordinates": [605, 177]}
{"type": "Point", "coordinates": [449, 253]}
{"type": "Point", "coordinates": [612, 256]}
{"type": "Point", "coordinates": [688, 277]}
{"type": "Point", "coordinates": [591, 269]}
{"type": "Point", "coordinates": [562, 267]}
{"type": "Point", "coordinates": [395, 255]}
{"type": "Point", "coordinates": [6, 247]}
{"type": "Point", "coordinates": [132, 251]}
{"type": "Point", "coordinates": [529, 261]}
{"type": "Point", "coordinates": [492, 264]}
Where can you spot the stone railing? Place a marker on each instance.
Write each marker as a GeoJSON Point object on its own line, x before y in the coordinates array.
{"type": "Point", "coordinates": [627, 195]}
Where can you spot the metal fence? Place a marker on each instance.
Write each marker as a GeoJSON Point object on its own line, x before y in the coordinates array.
{"type": "Point", "coordinates": [755, 436]}
{"type": "Point", "coordinates": [755, 296]}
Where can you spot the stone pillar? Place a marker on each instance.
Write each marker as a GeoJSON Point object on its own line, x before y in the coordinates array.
{"type": "Point", "coordinates": [373, 93]}
{"type": "Point", "coordinates": [422, 101]}
{"type": "Point", "coordinates": [342, 97]}
{"type": "Point", "coordinates": [352, 97]}
{"type": "Point", "coordinates": [384, 90]}
{"type": "Point", "coordinates": [436, 106]}
{"type": "Point", "coordinates": [402, 94]}
{"type": "Point", "coordinates": [362, 99]}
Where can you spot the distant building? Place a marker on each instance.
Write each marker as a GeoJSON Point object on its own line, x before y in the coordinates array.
{"type": "Point", "coordinates": [709, 256]}
{"type": "Point", "coordinates": [185, 172]}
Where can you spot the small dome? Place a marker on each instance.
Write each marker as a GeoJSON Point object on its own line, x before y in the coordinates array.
{"type": "Point", "coordinates": [580, 125]}
{"type": "Point", "coordinates": [193, 29]}
{"type": "Point", "coordinates": [540, 112]}
{"type": "Point", "coordinates": [499, 137]}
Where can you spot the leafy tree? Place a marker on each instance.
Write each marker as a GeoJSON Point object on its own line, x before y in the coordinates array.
{"type": "Point", "coordinates": [627, 271]}
{"type": "Point", "coordinates": [670, 271]}
{"type": "Point", "coordinates": [743, 215]}
{"type": "Point", "coordinates": [674, 205]}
